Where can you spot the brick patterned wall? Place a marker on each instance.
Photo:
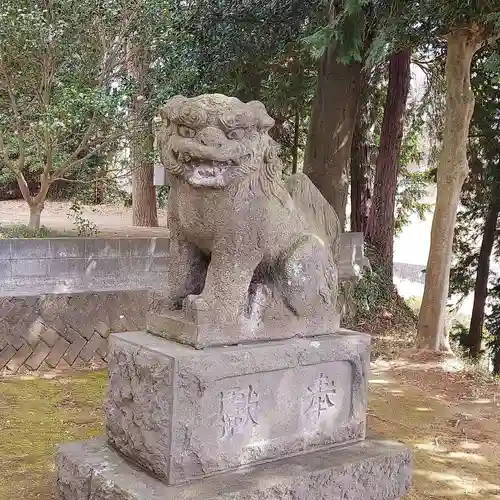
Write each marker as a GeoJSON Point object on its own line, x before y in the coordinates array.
{"type": "Point", "coordinates": [63, 330]}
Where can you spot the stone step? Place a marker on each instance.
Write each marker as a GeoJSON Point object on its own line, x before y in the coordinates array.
{"type": "Point", "coordinates": [373, 470]}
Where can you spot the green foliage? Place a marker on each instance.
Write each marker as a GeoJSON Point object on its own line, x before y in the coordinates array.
{"type": "Point", "coordinates": [162, 195]}
{"type": "Point", "coordinates": [459, 332]}
{"type": "Point", "coordinates": [412, 184]}
{"type": "Point", "coordinates": [347, 31]}
{"type": "Point", "coordinates": [84, 226]}
{"type": "Point", "coordinates": [423, 24]}
{"type": "Point", "coordinates": [493, 320]}
{"type": "Point", "coordinates": [373, 292]}
{"type": "Point", "coordinates": [250, 49]}
{"type": "Point", "coordinates": [22, 231]}
{"type": "Point", "coordinates": [375, 295]}
{"type": "Point", "coordinates": [61, 105]}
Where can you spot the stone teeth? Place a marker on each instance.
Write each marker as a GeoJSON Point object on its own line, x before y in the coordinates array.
{"type": "Point", "coordinates": [187, 157]}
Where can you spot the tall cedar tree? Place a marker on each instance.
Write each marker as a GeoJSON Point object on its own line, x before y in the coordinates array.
{"type": "Point", "coordinates": [380, 227]}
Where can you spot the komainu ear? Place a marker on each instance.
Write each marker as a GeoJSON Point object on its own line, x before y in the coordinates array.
{"type": "Point", "coordinates": [264, 121]}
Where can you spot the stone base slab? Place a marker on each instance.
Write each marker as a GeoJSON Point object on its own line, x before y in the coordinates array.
{"type": "Point", "coordinates": [184, 413]}
{"type": "Point", "coordinates": [373, 470]}
{"type": "Point", "coordinates": [178, 326]}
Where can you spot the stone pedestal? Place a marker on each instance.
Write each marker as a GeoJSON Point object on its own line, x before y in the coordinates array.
{"type": "Point", "coordinates": [184, 413]}
{"type": "Point", "coordinates": [281, 420]}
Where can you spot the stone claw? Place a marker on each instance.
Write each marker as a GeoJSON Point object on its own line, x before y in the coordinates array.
{"type": "Point", "coordinates": [195, 303]}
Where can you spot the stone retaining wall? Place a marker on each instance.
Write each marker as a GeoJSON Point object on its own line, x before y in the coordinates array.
{"type": "Point", "coordinates": [70, 329]}
{"type": "Point", "coordinates": [59, 331]}
{"type": "Point", "coordinates": [76, 257]}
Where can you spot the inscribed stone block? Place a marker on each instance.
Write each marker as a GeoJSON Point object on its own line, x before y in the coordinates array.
{"type": "Point", "coordinates": [184, 413]}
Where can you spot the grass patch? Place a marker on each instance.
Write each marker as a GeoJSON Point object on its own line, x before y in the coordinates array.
{"type": "Point", "coordinates": [22, 231]}
{"type": "Point", "coordinates": [38, 414]}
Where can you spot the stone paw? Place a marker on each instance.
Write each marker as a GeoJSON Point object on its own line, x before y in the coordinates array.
{"type": "Point", "coordinates": [195, 303]}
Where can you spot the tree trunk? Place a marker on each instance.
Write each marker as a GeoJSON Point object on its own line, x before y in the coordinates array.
{"type": "Point", "coordinates": [142, 142]}
{"type": "Point", "coordinates": [296, 140]}
{"type": "Point", "coordinates": [496, 363]}
{"type": "Point", "coordinates": [143, 190]}
{"type": "Point", "coordinates": [380, 227]}
{"type": "Point", "coordinates": [360, 178]}
{"type": "Point", "coordinates": [451, 174]}
{"type": "Point", "coordinates": [34, 220]}
{"type": "Point", "coordinates": [35, 203]}
{"type": "Point", "coordinates": [328, 148]}
{"type": "Point", "coordinates": [475, 336]}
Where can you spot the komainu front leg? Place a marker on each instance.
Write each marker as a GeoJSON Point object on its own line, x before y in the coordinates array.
{"type": "Point", "coordinates": [186, 271]}
{"type": "Point", "coordinates": [225, 295]}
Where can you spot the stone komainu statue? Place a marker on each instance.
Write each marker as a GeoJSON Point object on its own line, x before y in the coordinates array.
{"type": "Point", "coordinates": [245, 247]}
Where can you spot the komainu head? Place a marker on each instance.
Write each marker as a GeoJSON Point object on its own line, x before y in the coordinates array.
{"type": "Point", "coordinates": [212, 140]}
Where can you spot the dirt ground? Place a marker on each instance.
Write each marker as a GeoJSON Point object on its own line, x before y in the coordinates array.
{"type": "Point", "coordinates": [450, 418]}
{"type": "Point", "coordinates": [111, 220]}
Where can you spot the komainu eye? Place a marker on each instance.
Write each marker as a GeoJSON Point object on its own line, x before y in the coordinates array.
{"type": "Point", "coordinates": [236, 134]}
{"type": "Point", "coordinates": [186, 131]}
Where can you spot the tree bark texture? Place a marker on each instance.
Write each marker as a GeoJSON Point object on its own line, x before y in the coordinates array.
{"type": "Point", "coordinates": [475, 336]}
{"type": "Point", "coordinates": [361, 178]}
{"type": "Point", "coordinates": [380, 226]}
{"type": "Point", "coordinates": [451, 174]}
{"type": "Point", "coordinates": [142, 142]}
{"type": "Point", "coordinates": [35, 203]}
{"type": "Point", "coordinates": [328, 147]}
{"type": "Point", "coordinates": [496, 363]}
{"type": "Point", "coordinates": [35, 215]}
{"type": "Point", "coordinates": [296, 140]}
